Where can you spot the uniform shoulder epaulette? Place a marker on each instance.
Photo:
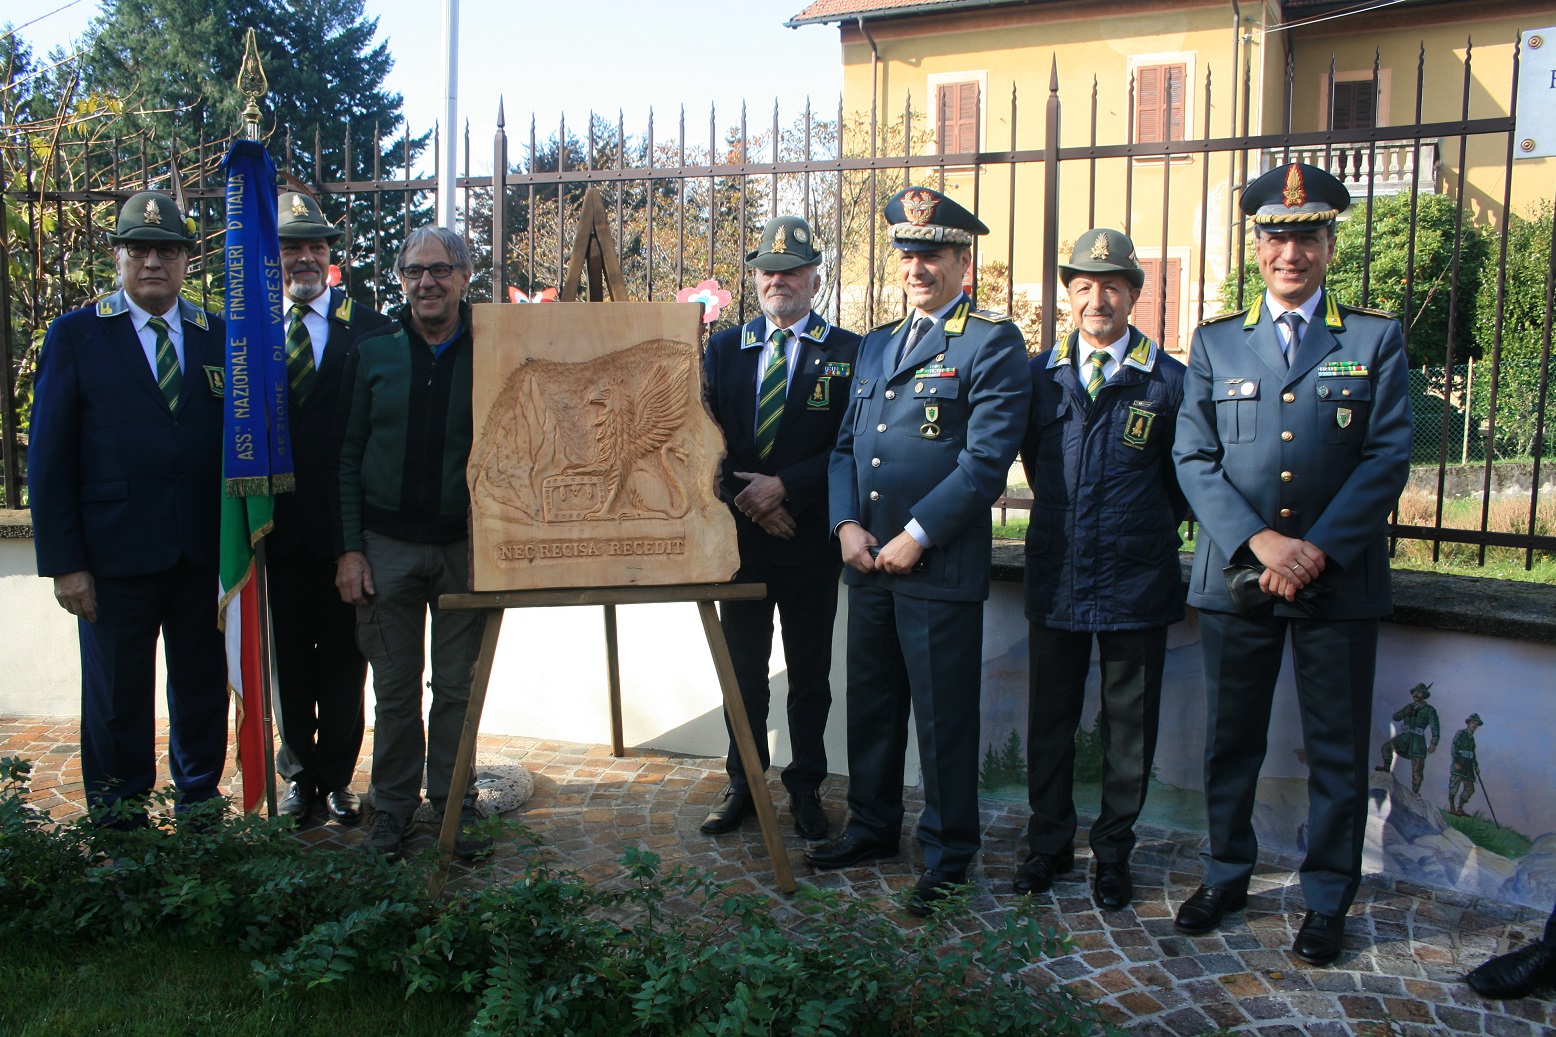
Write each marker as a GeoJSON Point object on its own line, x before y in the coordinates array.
{"type": "Point", "coordinates": [194, 315]}
{"type": "Point", "coordinates": [992, 316]}
{"type": "Point", "coordinates": [1369, 311]}
{"type": "Point", "coordinates": [346, 310]}
{"type": "Point", "coordinates": [1218, 318]}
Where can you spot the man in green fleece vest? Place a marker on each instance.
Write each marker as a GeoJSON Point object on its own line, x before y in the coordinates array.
{"type": "Point", "coordinates": [403, 534]}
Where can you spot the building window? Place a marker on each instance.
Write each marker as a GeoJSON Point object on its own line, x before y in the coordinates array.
{"type": "Point", "coordinates": [956, 116]}
{"type": "Point", "coordinates": [1147, 312]}
{"type": "Point", "coordinates": [1159, 97]}
{"type": "Point", "coordinates": [1355, 105]}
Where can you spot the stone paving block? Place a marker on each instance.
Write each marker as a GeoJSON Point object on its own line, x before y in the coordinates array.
{"type": "Point", "coordinates": [1357, 1006]}
{"type": "Point", "coordinates": [1139, 1003]}
{"type": "Point", "coordinates": [1182, 967]}
{"type": "Point", "coordinates": [1187, 1022]}
{"type": "Point", "coordinates": [1458, 1020]}
{"type": "Point", "coordinates": [1507, 1026]}
{"type": "Point", "coordinates": [1280, 1030]}
{"type": "Point", "coordinates": [1327, 1028]}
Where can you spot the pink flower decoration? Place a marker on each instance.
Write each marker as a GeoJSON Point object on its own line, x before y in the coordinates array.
{"type": "Point", "coordinates": [712, 297]}
{"type": "Point", "coordinates": [544, 295]}
{"type": "Point", "coordinates": [334, 275]}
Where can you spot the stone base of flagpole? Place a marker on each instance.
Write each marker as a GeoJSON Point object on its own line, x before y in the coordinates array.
{"type": "Point", "coordinates": [502, 782]}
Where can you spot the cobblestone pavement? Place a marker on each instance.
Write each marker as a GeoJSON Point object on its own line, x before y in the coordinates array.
{"type": "Point", "coordinates": [1406, 946]}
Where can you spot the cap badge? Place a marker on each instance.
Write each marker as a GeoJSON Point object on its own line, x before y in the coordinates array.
{"type": "Point", "coordinates": [800, 235]}
{"type": "Point", "coordinates": [920, 207]}
{"type": "Point", "coordinates": [152, 213]}
{"type": "Point", "coordinates": [781, 240]}
{"type": "Point", "coordinates": [299, 207]}
{"type": "Point", "coordinates": [1295, 193]}
{"type": "Point", "coordinates": [1099, 247]}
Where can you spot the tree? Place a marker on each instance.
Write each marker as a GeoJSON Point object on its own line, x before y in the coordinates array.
{"type": "Point", "coordinates": [326, 99]}
{"type": "Point", "coordinates": [1523, 367]}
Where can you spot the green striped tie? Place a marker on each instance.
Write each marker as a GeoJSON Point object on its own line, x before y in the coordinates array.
{"type": "Point", "coordinates": [769, 404]}
{"type": "Point", "coordinates": [299, 356]}
{"type": "Point", "coordinates": [1094, 378]}
{"type": "Point", "coordinates": [169, 377]}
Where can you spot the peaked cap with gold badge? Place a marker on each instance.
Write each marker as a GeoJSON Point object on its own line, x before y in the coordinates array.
{"type": "Point", "coordinates": [787, 243]}
{"type": "Point", "coordinates": [1103, 250]}
{"type": "Point", "coordinates": [152, 218]}
{"type": "Point", "coordinates": [299, 217]}
{"type": "Point", "coordinates": [1295, 196]}
{"type": "Point", "coordinates": [923, 220]}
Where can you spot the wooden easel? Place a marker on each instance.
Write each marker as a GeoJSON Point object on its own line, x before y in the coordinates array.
{"type": "Point", "coordinates": [593, 248]}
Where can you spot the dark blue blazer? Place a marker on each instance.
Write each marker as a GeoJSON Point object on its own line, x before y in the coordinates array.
{"type": "Point", "coordinates": [931, 437]}
{"type": "Point", "coordinates": [812, 412]}
{"type": "Point", "coordinates": [302, 519]}
{"type": "Point", "coordinates": [120, 484]}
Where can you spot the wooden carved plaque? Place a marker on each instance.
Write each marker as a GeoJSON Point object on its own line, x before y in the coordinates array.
{"type": "Point", "coordinates": [595, 461]}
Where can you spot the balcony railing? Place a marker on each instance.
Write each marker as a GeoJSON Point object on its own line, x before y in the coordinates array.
{"type": "Point", "coordinates": [1392, 166]}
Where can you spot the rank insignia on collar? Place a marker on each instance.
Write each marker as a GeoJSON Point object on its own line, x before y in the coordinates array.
{"type": "Point", "coordinates": [820, 397]}
{"type": "Point", "coordinates": [216, 379]}
{"type": "Point", "coordinates": [1137, 429]}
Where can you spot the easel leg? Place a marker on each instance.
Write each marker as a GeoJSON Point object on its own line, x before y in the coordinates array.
{"type": "Point", "coordinates": [756, 778]}
{"type": "Point", "coordinates": [613, 675]}
{"type": "Point", "coordinates": [464, 761]}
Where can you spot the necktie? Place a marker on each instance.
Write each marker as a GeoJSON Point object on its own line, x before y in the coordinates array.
{"type": "Point", "coordinates": [299, 356]}
{"type": "Point", "coordinates": [769, 404]}
{"type": "Point", "coordinates": [169, 377]}
{"type": "Point", "coordinates": [920, 328]}
{"type": "Point", "coordinates": [1094, 377]}
{"type": "Point", "coordinates": [1293, 321]}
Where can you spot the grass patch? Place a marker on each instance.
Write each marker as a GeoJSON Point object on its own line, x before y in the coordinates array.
{"type": "Point", "coordinates": [161, 988]}
{"type": "Point", "coordinates": [1507, 515]}
{"type": "Point", "coordinates": [1487, 834]}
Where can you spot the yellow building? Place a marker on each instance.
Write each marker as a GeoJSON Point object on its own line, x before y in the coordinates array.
{"type": "Point", "coordinates": [1154, 99]}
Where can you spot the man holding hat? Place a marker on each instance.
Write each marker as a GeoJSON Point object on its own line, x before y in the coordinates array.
{"type": "Point", "coordinates": [1293, 446]}
{"type": "Point", "coordinates": [125, 479]}
{"type": "Point", "coordinates": [778, 387]}
{"type": "Point", "coordinates": [936, 411]}
{"type": "Point", "coordinates": [1101, 560]}
{"type": "Point", "coordinates": [320, 670]}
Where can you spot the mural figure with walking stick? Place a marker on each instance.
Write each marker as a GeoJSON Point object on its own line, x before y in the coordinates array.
{"type": "Point", "coordinates": [1463, 767]}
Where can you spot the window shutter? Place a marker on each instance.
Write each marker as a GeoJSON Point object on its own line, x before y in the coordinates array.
{"type": "Point", "coordinates": [1355, 105]}
{"type": "Point", "coordinates": [1159, 102]}
{"type": "Point", "coordinates": [957, 117]}
{"type": "Point", "coordinates": [1146, 315]}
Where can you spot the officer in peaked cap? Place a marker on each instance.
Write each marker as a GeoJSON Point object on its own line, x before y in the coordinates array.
{"type": "Point", "coordinates": [126, 490]}
{"type": "Point", "coordinates": [1098, 456]}
{"type": "Point", "coordinates": [777, 387]}
{"type": "Point", "coordinates": [1293, 444]}
{"type": "Point", "coordinates": [937, 406]}
{"type": "Point", "coordinates": [320, 671]}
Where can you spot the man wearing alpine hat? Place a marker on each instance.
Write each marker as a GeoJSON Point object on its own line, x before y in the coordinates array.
{"type": "Point", "coordinates": [778, 387]}
{"type": "Point", "coordinates": [125, 475]}
{"type": "Point", "coordinates": [1293, 445]}
{"type": "Point", "coordinates": [936, 410]}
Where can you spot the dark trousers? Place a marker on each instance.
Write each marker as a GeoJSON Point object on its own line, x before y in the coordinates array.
{"type": "Point", "coordinates": [118, 685]}
{"type": "Point", "coordinates": [1334, 662]}
{"type": "Point", "coordinates": [320, 673]}
{"type": "Point", "coordinates": [806, 600]}
{"type": "Point", "coordinates": [928, 655]}
{"type": "Point", "coordinates": [1131, 664]}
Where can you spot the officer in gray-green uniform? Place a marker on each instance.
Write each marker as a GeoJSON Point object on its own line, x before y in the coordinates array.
{"type": "Point", "coordinates": [1411, 741]}
{"type": "Point", "coordinates": [1463, 767]}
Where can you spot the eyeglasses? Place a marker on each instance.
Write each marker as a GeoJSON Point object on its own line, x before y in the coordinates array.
{"type": "Point", "coordinates": [166, 253]}
{"type": "Point", "coordinates": [439, 272]}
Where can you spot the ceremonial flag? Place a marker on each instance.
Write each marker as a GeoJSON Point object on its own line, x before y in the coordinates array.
{"type": "Point", "coordinates": [257, 448]}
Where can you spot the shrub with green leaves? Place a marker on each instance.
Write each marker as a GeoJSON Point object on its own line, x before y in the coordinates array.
{"type": "Point", "coordinates": [657, 951]}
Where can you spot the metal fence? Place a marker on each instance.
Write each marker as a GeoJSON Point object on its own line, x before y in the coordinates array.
{"type": "Point", "coordinates": [687, 204]}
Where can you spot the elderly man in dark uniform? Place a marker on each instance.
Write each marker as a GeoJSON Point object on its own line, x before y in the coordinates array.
{"type": "Point", "coordinates": [1101, 561]}
{"type": "Point", "coordinates": [320, 671]}
{"type": "Point", "coordinates": [778, 387]}
{"type": "Point", "coordinates": [938, 405]}
{"type": "Point", "coordinates": [125, 473]}
{"type": "Point", "coordinates": [1293, 446]}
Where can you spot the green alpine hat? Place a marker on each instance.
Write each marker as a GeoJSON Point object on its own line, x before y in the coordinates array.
{"type": "Point", "coordinates": [1424, 689]}
{"type": "Point", "coordinates": [151, 217]}
{"type": "Point", "coordinates": [298, 216]}
{"type": "Point", "coordinates": [1102, 250]}
{"type": "Point", "coordinates": [1474, 718]}
{"type": "Point", "coordinates": [787, 242]}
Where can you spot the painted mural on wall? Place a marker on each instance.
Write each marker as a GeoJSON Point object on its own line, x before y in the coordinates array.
{"type": "Point", "coordinates": [1460, 791]}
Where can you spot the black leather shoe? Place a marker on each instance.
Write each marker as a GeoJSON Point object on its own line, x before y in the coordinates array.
{"type": "Point", "coordinates": [343, 806]}
{"type": "Point", "coordinates": [932, 887]}
{"type": "Point", "coordinates": [1516, 974]}
{"type": "Point", "coordinates": [726, 817]}
{"type": "Point", "coordinates": [1111, 886]}
{"type": "Point", "coordinates": [848, 851]}
{"type": "Point", "coordinates": [1202, 912]}
{"type": "Point", "coordinates": [1318, 941]}
{"type": "Point", "coordinates": [1037, 874]}
{"type": "Point", "coordinates": [810, 820]}
{"type": "Point", "coordinates": [298, 801]}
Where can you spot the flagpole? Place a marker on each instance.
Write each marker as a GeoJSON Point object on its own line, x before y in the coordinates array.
{"type": "Point", "coordinates": [253, 85]}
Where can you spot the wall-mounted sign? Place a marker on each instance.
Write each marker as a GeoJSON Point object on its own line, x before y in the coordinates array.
{"type": "Point", "coordinates": [1535, 132]}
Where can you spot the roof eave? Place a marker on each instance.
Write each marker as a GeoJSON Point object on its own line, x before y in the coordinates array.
{"type": "Point", "coordinates": [899, 12]}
